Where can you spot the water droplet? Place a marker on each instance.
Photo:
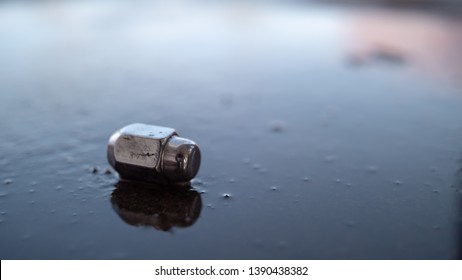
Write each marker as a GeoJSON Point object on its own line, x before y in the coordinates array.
{"type": "Point", "coordinates": [74, 214]}
{"type": "Point", "coordinates": [275, 188]}
{"type": "Point", "coordinates": [197, 182]}
{"type": "Point", "coordinates": [256, 166]}
{"type": "Point", "coordinates": [436, 191]}
{"type": "Point", "coordinates": [3, 213]}
{"type": "Point", "coordinates": [59, 187]}
{"type": "Point", "coordinates": [232, 180]}
{"type": "Point", "coordinates": [31, 190]}
{"type": "Point", "coordinates": [263, 171]}
{"type": "Point", "coordinates": [350, 224]}
{"type": "Point", "coordinates": [398, 183]}
{"type": "Point", "coordinates": [33, 183]}
{"type": "Point", "coordinates": [330, 158]}
{"type": "Point", "coordinates": [372, 169]}
{"type": "Point", "coordinates": [337, 181]}
{"type": "Point", "coordinates": [26, 236]}
{"type": "Point", "coordinates": [69, 159]}
{"type": "Point", "coordinates": [306, 179]}
{"type": "Point", "coordinates": [2, 195]}
{"type": "Point", "coordinates": [1, 221]}
{"type": "Point", "coordinates": [7, 181]}
{"type": "Point", "coordinates": [226, 195]}
{"type": "Point", "coordinates": [259, 242]}
{"type": "Point", "coordinates": [348, 185]}
{"type": "Point", "coordinates": [246, 160]}
{"type": "Point", "coordinates": [277, 126]}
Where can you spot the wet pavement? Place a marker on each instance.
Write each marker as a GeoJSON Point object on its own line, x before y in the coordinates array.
{"type": "Point", "coordinates": [320, 139]}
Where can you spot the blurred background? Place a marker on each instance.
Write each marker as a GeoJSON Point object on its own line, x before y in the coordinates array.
{"type": "Point", "coordinates": [328, 129]}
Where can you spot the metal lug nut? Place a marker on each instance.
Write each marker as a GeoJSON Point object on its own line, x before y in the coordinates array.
{"type": "Point", "coordinates": [149, 153]}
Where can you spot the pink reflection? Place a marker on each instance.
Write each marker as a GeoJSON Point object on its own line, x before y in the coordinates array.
{"type": "Point", "coordinates": [430, 44]}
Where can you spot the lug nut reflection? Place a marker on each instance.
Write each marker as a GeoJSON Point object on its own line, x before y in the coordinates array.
{"type": "Point", "coordinates": [141, 204]}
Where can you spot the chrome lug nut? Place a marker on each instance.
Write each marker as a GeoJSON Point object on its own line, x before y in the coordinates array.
{"type": "Point", "coordinates": [149, 153]}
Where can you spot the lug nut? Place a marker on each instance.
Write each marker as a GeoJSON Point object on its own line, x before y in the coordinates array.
{"type": "Point", "coordinates": [149, 153]}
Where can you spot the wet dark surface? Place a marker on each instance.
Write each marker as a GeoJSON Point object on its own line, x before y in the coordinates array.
{"type": "Point", "coordinates": [317, 140]}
